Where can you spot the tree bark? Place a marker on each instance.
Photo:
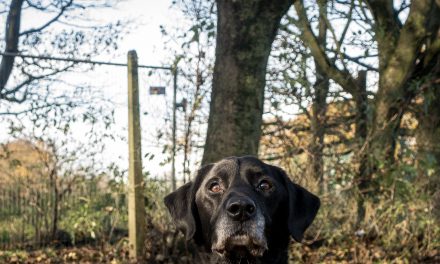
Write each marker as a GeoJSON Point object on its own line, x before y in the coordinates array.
{"type": "Point", "coordinates": [11, 39]}
{"type": "Point", "coordinates": [386, 28]}
{"type": "Point", "coordinates": [245, 32]}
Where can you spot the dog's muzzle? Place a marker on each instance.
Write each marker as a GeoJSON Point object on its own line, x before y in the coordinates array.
{"type": "Point", "coordinates": [241, 229]}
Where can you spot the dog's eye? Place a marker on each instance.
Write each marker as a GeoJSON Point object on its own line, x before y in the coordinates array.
{"type": "Point", "coordinates": [215, 187]}
{"type": "Point", "coordinates": [264, 185]}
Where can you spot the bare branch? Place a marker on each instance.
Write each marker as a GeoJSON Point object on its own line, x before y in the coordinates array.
{"type": "Point", "coordinates": [10, 95]}
{"type": "Point", "coordinates": [347, 25]}
{"type": "Point", "coordinates": [343, 78]}
{"type": "Point", "coordinates": [62, 10]}
{"type": "Point", "coordinates": [359, 62]}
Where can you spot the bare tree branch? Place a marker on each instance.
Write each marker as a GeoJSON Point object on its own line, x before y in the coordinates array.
{"type": "Point", "coordinates": [343, 78]}
{"type": "Point", "coordinates": [47, 24]}
{"type": "Point", "coordinates": [359, 62]}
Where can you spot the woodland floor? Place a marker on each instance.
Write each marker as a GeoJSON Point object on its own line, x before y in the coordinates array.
{"type": "Point", "coordinates": [357, 253]}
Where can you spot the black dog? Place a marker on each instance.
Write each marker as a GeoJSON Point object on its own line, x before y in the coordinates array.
{"type": "Point", "coordinates": [244, 210]}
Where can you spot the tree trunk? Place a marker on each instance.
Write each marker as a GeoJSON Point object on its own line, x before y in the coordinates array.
{"type": "Point", "coordinates": [428, 139]}
{"type": "Point", "coordinates": [394, 81]}
{"type": "Point", "coordinates": [363, 178]}
{"type": "Point", "coordinates": [56, 204]}
{"type": "Point", "coordinates": [11, 41]}
{"type": "Point", "coordinates": [245, 32]}
{"type": "Point", "coordinates": [319, 108]}
{"type": "Point", "coordinates": [318, 120]}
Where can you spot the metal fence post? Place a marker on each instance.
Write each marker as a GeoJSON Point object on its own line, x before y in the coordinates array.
{"type": "Point", "coordinates": [173, 165]}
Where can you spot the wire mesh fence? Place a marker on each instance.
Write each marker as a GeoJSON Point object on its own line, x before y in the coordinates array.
{"type": "Point", "coordinates": [54, 201]}
{"type": "Point", "coordinates": [32, 214]}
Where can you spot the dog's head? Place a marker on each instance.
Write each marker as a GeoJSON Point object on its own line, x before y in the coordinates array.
{"type": "Point", "coordinates": [241, 207]}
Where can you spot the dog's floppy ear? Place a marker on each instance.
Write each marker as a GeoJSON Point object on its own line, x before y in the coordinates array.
{"type": "Point", "coordinates": [303, 207]}
{"type": "Point", "coordinates": [179, 205]}
{"type": "Point", "coordinates": [182, 207]}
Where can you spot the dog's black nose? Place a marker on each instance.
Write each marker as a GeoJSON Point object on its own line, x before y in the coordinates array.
{"type": "Point", "coordinates": [240, 209]}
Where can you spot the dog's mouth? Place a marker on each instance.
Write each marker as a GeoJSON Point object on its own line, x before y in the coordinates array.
{"type": "Point", "coordinates": [241, 245]}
